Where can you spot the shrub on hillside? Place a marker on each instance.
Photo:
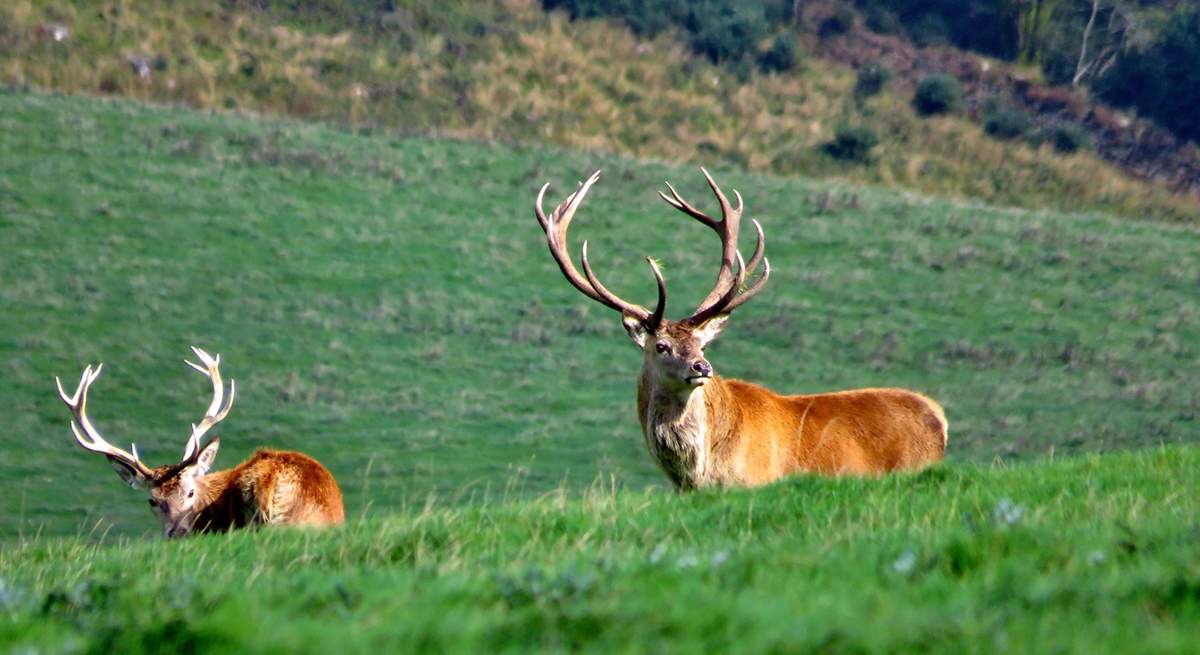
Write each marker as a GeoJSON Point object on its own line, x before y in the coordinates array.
{"type": "Point", "coordinates": [937, 94]}
{"type": "Point", "coordinates": [852, 143]}
{"type": "Point", "coordinates": [1070, 137]}
{"type": "Point", "coordinates": [1006, 123]}
{"type": "Point", "coordinates": [781, 56]}
{"type": "Point", "coordinates": [870, 81]}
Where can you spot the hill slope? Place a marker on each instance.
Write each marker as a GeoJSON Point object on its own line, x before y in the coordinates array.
{"type": "Point", "coordinates": [388, 305]}
{"type": "Point", "coordinates": [1090, 555]}
{"type": "Point", "coordinates": [512, 72]}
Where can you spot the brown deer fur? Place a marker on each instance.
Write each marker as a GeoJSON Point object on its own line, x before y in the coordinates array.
{"type": "Point", "coordinates": [708, 430]}
{"type": "Point", "coordinates": [272, 487]}
{"type": "Point", "coordinates": [705, 430]}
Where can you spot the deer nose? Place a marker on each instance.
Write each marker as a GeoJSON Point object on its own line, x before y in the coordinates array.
{"type": "Point", "coordinates": [702, 367]}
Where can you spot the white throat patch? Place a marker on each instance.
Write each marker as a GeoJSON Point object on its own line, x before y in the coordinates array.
{"type": "Point", "coordinates": [677, 435]}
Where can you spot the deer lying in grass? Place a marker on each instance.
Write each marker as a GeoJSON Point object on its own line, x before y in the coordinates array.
{"type": "Point", "coordinates": [271, 488]}
{"type": "Point", "coordinates": [706, 430]}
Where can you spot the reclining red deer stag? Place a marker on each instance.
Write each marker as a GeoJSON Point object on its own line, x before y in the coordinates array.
{"type": "Point", "coordinates": [706, 430]}
{"type": "Point", "coordinates": [271, 488]}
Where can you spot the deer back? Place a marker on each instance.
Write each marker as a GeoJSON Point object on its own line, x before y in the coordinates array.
{"type": "Point", "coordinates": [758, 435]}
{"type": "Point", "coordinates": [272, 487]}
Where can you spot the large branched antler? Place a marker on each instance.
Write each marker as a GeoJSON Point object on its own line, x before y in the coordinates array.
{"type": "Point", "coordinates": [217, 410]}
{"type": "Point", "coordinates": [87, 435]}
{"type": "Point", "coordinates": [555, 226]}
{"type": "Point", "coordinates": [726, 294]}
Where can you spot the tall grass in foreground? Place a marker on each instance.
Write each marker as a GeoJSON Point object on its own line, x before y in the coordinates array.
{"type": "Point", "coordinates": [1092, 554]}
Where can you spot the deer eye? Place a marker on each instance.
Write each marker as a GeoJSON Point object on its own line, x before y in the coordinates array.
{"type": "Point", "coordinates": [662, 347]}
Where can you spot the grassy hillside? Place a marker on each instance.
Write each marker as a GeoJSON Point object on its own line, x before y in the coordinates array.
{"type": "Point", "coordinates": [1090, 555]}
{"type": "Point", "coordinates": [510, 71]}
{"type": "Point", "coordinates": [388, 306]}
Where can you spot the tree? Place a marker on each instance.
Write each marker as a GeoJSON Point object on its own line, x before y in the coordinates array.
{"type": "Point", "coordinates": [1034, 20]}
{"type": "Point", "coordinates": [1115, 38]}
{"type": "Point", "coordinates": [1162, 80]}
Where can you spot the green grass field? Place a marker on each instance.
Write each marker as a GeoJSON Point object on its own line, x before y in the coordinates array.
{"type": "Point", "coordinates": [388, 306]}
{"type": "Point", "coordinates": [1095, 554]}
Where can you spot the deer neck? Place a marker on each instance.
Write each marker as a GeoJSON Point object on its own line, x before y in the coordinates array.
{"type": "Point", "coordinates": [676, 424]}
{"type": "Point", "coordinates": [217, 501]}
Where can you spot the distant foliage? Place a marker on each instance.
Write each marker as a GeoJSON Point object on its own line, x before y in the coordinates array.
{"type": "Point", "coordinates": [721, 30]}
{"type": "Point", "coordinates": [870, 81]}
{"type": "Point", "coordinates": [939, 93]}
{"type": "Point", "coordinates": [987, 26]}
{"type": "Point", "coordinates": [1069, 137]}
{"type": "Point", "coordinates": [881, 20]}
{"type": "Point", "coordinates": [852, 143]}
{"type": "Point", "coordinates": [1162, 82]}
{"type": "Point", "coordinates": [929, 30]}
{"type": "Point", "coordinates": [1155, 45]}
{"type": "Point", "coordinates": [1006, 123]}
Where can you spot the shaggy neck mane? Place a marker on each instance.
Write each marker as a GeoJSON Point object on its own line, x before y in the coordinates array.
{"type": "Point", "coordinates": [677, 428]}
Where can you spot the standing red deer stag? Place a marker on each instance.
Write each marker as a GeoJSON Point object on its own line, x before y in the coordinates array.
{"type": "Point", "coordinates": [271, 488]}
{"type": "Point", "coordinates": [706, 430]}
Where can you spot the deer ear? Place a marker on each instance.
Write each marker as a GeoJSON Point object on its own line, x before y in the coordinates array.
{"type": "Point", "coordinates": [711, 328]}
{"type": "Point", "coordinates": [204, 460]}
{"type": "Point", "coordinates": [636, 329]}
{"type": "Point", "coordinates": [130, 476]}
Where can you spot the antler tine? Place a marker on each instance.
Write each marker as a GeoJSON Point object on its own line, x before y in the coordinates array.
{"type": "Point", "coordinates": [734, 296]}
{"type": "Point", "coordinates": [555, 226]}
{"type": "Point", "coordinates": [211, 370]}
{"type": "Point", "coordinates": [750, 292]}
{"type": "Point", "coordinates": [730, 293]}
{"type": "Point", "coordinates": [730, 230]}
{"type": "Point", "coordinates": [684, 206]}
{"type": "Point", "coordinates": [727, 229]}
{"type": "Point", "coordinates": [660, 309]}
{"type": "Point", "coordinates": [727, 210]}
{"type": "Point", "coordinates": [85, 432]}
{"type": "Point", "coordinates": [218, 409]}
{"type": "Point", "coordinates": [759, 247]}
{"type": "Point", "coordinates": [653, 320]}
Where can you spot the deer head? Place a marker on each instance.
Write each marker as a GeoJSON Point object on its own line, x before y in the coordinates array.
{"type": "Point", "coordinates": [673, 350]}
{"type": "Point", "coordinates": [173, 489]}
